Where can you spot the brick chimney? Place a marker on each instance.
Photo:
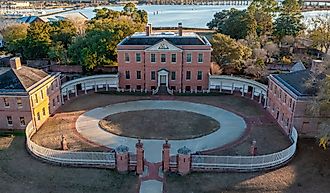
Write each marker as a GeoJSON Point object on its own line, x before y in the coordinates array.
{"type": "Point", "coordinates": [317, 66]}
{"type": "Point", "coordinates": [148, 30]}
{"type": "Point", "coordinates": [180, 29]}
{"type": "Point", "coordinates": [15, 63]}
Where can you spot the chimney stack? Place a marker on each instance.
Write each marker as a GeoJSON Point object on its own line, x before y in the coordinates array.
{"type": "Point", "coordinates": [180, 29]}
{"type": "Point", "coordinates": [317, 66]}
{"type": "Point", "coordinates": [15, 63]}
{"type": "Point", "coordinates": [148, 30]}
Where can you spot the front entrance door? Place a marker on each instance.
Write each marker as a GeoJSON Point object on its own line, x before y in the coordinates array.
{"type": "Point", "coordinates": [162, 79]}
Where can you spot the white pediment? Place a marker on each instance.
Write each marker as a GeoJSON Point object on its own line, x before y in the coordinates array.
{"type": "Point", "coordinates": [162, 72]}
{"type": "Point", "coordinates": [163, 45]}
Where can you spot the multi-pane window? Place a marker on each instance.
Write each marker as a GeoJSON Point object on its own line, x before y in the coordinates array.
{"type": "Point", "coordinates": [19, 102]}
{"type": "Point", "coordinates": [199, 75]}
{"type": "Point", "coordinates": [43, 111]}
{"type": "Point", "coordinates": [6, 102]}
{"type": "Point", "coordinates": [173, 76]}
{"type": "Point", "coordinates": [138, 57]}
{"type": "Point", "coordinates": [189, 58]}
{"type": "Point", "coordinates": [9, 120]}
{"type": "Point", "coordinates": [153, 58]}
{"type": "Point", "coordinates": [173, 58]}
{"type": "Point", "coordinates": [188, 75]}
{"type": "Point", "coordinates": [22, 121]}
{"type": "Point", "coordinates": [153, 75]}
{"type": "Point", "coordinates": [200, 58]}
{"type": "Point", "coordinates": [36, 98]}
{"type": "Point", "coordinates": [163, 58]}
{"type": "Point", "coordinates": [138, 75]}
{"type": "Point", "coordinates": [126, 57]}
{"type": "Point", "coordinates": [38, 116]}
{"type": "Point", "coordinates": [127, 74]}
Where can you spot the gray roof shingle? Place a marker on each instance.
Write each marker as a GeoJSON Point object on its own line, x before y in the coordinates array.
{"type": "Point", "coordinates": [20, 80]}
{"type": "Point", "coordinates": [297, 82]}
{"type": "Point", "coordinates": [175, 40]}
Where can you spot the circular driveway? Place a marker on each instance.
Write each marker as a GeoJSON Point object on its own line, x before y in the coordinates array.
{"type": "Point", "coordinates": [232, 127]}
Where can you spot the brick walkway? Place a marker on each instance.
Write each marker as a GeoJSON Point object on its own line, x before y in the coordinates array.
{"type": "Point", "coordinates": [152, 181]}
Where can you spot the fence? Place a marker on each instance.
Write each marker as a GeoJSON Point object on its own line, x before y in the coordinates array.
{"type": "Point", "coordinates": [94, 82]}
{"type": "Point", "coordinates": [245, 163]}
{"type": "Point", "coordinates": [91, 159]}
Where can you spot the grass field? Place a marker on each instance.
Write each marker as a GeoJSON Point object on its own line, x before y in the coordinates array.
{"type": "Point", "coordinates": [308, 172]}
{"type": "Point", "coordinates": [20, 172]}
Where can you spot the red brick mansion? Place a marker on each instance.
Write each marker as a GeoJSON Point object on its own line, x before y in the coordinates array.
{"type": "Point", "coordinates": [173, 61]}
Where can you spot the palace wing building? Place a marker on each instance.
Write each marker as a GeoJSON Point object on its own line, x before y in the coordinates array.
{"type": "Point", "coordinates": [165, 60]}
{"type": "Point", "coordinates": [289, 99]}
{"type": "Point", "coordinates": [27, 94]}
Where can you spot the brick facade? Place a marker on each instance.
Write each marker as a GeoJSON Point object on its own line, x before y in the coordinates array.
{"type": "Point", "coordinates": [289, 103]}
{"type": "Point", "coordinates": [183, 60]}
{"type": "Point", "coordinates": [30, 95]}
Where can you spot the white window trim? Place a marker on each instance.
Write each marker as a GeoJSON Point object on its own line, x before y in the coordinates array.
{"type": "Point", "coordinates": [161, 59]}
{"type": "Point", "coordinates": [10, 125]}
{"type": "Point", "coordinates": [20, 122]}
{"type": "Point", "coordinates": [137, 75]}
{"type": "Point", "coordinates": [151, 57]}
{"type": "Point", "coordinates": [201, 78]}
{"type": "Point", "coordinates": [190, 58]}
{"type": "Point", "coordinates": [198, 58]}
{"type": "Point", "coordinates": [176, 58]}
{"type": "Point", "coordinates": [172, 79]}
{"type": "Point", "coordinates": [125, 58]}
{"type": "Point", "coordinates": [140, 58]}
{"type": "Point", "coordinates": [186, 76]}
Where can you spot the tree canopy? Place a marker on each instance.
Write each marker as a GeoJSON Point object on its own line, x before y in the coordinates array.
{"type": "Point", "coordinates": [289, 21]}
{"type": "Point", "coordinates": [227, 51]}
{"type": "Point", "coordinates": [233, 22]}
{"type": "Point", "coordinates": [104, 32]}
{"type": "Point", "coordinates": [320, 33]}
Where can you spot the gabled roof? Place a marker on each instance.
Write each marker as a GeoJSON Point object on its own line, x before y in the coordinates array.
{"type": "Point", "coordinates": [298, 66]}
{"type": "Point", "coordinates": [19, 80]}
{"type": "Point", "coordinates": [163, 45]}
{"type": "Point", "coordinates": [28, 19]}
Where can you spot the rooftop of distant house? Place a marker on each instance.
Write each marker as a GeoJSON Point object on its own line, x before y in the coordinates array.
{"type": "Point", "coordinates": [53, 17]}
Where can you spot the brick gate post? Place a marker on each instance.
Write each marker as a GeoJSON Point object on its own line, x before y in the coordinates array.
{"type": "Point", "coordinates": [139, 157]}
{"type": "Point", "coordinates": [166, 156]}
{"type": "Point", "coordinates": [122, 159]}
{"type": "Point", "coordinates": [184, 160]}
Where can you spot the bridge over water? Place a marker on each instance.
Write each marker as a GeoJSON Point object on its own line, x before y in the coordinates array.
{"type": "Point", "coordinates": [307, 3]}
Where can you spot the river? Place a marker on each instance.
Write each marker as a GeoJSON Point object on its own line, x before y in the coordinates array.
{"type": "Point", "coordinates": [196, 16]}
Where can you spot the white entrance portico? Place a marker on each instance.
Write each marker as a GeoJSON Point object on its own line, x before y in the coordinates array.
{"type": "Point", "coordinates": [162, 78]}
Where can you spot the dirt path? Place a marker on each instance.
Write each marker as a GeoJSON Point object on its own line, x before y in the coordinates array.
{"type": "Point", "coordinates": [263, 129]}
